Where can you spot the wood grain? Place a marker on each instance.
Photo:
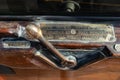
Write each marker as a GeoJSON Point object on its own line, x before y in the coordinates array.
{"type": "Point", "coordinates": [108, 69]}
{"type": "Point", "coordinates": [21, 62]}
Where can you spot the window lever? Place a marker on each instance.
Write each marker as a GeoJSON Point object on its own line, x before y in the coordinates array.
{"type": "Point", "coordinates": [66, 62]}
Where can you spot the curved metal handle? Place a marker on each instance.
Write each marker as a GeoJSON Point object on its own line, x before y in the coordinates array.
{"type": "Point", "coordinates": [34, 31]}
{"type": "Point", "coordinates": [65, 63]}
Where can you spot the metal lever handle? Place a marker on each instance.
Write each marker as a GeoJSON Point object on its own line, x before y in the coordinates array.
{"type": "Point", "coordinates": [34, 31]}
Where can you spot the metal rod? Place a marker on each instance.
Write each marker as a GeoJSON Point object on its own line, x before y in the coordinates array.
{"type": "Point", "coordinates": [36, 32]}
{"type": "Point", "coordinates": [41, 56]}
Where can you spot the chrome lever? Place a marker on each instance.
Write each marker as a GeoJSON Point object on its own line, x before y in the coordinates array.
{"type": "Point", "coordinates": [66, 62]}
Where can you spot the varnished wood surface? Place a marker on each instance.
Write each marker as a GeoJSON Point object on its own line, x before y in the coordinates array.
{"type": "Point", "coordinates": [108, 69]}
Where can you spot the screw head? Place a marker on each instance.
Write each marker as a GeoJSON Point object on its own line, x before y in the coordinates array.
{"type": "Point", "coordinates": [117, 47]}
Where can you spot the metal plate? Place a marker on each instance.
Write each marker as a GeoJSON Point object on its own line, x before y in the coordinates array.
{"type": "Point", "coordinates": [15, 43]}
{"type": "Point", "coordinates": [78, 32]}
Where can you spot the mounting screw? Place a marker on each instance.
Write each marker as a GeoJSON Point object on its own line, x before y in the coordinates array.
{"type": "Point", "coordinates": [71, 60]}
{"type": "Point", "coordinates": [117, 47]}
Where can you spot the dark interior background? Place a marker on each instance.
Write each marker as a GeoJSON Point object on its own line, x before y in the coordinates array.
{"type": "Point", "coordinates": [57, 7]}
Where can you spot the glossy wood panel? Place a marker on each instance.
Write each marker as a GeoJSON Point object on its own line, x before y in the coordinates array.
{"type": "Point", "coordinates": [108, 69]}
{"type": "Point", "coordinates": [25, 58]}
{"type": "Point", "coordinates": [21, 62]}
